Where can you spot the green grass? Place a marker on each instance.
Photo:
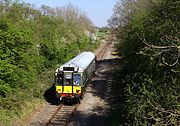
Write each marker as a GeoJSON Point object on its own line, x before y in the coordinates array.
{"type": "Point", "coordinates": [23, 103]}
{"type": "Point", "coordinates": [101, 34]}
{"type": "Point", "coordinates": [19, 116]}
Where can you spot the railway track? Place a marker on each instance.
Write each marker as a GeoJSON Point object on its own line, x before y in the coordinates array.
{"type": "Point", "coordinates": [61, 115]}
{"type": "Point", "coordinates": [101, 54]}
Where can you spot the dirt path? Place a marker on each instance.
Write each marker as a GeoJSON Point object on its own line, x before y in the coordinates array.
{"type": "Point", "coordinates": [95, 105]}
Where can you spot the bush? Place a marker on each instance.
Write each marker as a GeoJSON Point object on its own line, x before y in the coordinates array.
{"type": "Point", "coordinates": [32, 42]}
{"type": "Point", "coordinates": [149, 43]}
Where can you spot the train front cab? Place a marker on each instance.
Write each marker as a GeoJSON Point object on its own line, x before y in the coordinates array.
{"type": "Point", "coordinates": [69, 86]}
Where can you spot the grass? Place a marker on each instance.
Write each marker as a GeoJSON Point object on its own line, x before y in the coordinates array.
{"type": "Point", "coordinates": [101, 34]}
{"type": "Point", "coordinates": [19, 116]}
{"type": "Point", "coordinates": [24, 103]}
{"type": "Point", "coordinates": [117, 115]}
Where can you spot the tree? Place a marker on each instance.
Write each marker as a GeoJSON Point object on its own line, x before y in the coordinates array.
{"type": "Point", "coordinates": [150, 45]}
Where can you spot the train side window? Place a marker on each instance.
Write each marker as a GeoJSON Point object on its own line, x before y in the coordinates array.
{"type": "Point", "coordinates": [76, 79]}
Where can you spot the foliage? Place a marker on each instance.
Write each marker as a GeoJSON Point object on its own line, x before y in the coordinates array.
{"type": "Point", "coordinates": [31, 42]}
{"type": "Point", "coordinates": [150, 46]}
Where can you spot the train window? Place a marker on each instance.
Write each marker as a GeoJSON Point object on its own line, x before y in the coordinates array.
{"type": "Point", "coordinates": [68, 82]}
{"type": "Point", "coordinates": [68, 79]}
{"type": "Point", "coordinates": [59, 80]}
{"type": "Point", "coordinates": [76, 79]}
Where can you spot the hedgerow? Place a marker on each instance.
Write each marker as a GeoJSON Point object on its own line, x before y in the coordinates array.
{"type": "Point", "coordinates": [32, 42]}
{"type": "Point", "coordinates": [149, 43]}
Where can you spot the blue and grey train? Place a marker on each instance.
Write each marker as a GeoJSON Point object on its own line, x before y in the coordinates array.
{"type": "Point", "coordinates": [72, 78]}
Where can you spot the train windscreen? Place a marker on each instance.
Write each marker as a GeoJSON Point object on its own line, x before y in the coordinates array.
{"type": "Point", "coordinates": [68, 79]}
{"type": "Point", "coordinates": [59, 79]}
{"type": "Point", "coordinates": [76, 79]}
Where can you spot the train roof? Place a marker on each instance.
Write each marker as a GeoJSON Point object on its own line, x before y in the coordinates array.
{"type": "Point", "coordinates": [82, 60]}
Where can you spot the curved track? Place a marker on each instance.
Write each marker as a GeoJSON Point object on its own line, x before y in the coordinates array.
{"type": "Point", "coordinates": [101, 54]}
{"type": "Point", "coordinates": [60, 115]}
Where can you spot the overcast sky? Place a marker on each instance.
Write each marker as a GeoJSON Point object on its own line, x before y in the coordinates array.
{"type": "Point", "coordinates": [97, 10]}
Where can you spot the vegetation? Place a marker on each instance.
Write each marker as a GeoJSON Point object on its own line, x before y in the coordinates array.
{"type": "Point", "coordinates": [149, 42]}
{"type": "Point", "coordinates": [32, 41]}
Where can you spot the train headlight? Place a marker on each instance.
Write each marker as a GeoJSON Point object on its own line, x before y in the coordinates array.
{"type": "Point", "coordinates": [59, 90]}
{"type": "Point", "coordinates": [77, 91]}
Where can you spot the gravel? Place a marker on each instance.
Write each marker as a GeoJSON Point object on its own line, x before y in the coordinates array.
{"type": "Point", "coordinates": [94, 107]}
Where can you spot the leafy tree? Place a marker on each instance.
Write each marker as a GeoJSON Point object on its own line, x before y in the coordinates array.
{"type": "Point", "coordinates": [33, 41]}
{"type": "Point", "coordinates": [149, 43]}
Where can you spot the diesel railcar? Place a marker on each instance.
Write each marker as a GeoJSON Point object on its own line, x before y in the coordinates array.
{"type": "Point", "coordinates": [72, 78]}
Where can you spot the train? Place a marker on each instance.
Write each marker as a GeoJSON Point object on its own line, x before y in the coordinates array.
{"type": "Point", "coordinates": [71, 79]}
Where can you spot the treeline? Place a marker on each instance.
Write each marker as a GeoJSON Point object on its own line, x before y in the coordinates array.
{"type": "Point", "coordinates": [149, 42]}
{"type": "Point", "coordinates": [31, 40]}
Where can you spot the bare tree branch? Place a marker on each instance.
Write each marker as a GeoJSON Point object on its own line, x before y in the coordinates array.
{"type": "Point", "coordinates": [165, 49]}
{"type": "Point", "coordinates": [154, 46]}
{"type": "Point", "coordinates": [163, 59]}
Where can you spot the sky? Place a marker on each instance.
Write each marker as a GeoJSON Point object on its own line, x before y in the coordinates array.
{"type": "Point", "coordinates": [97, 10]}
